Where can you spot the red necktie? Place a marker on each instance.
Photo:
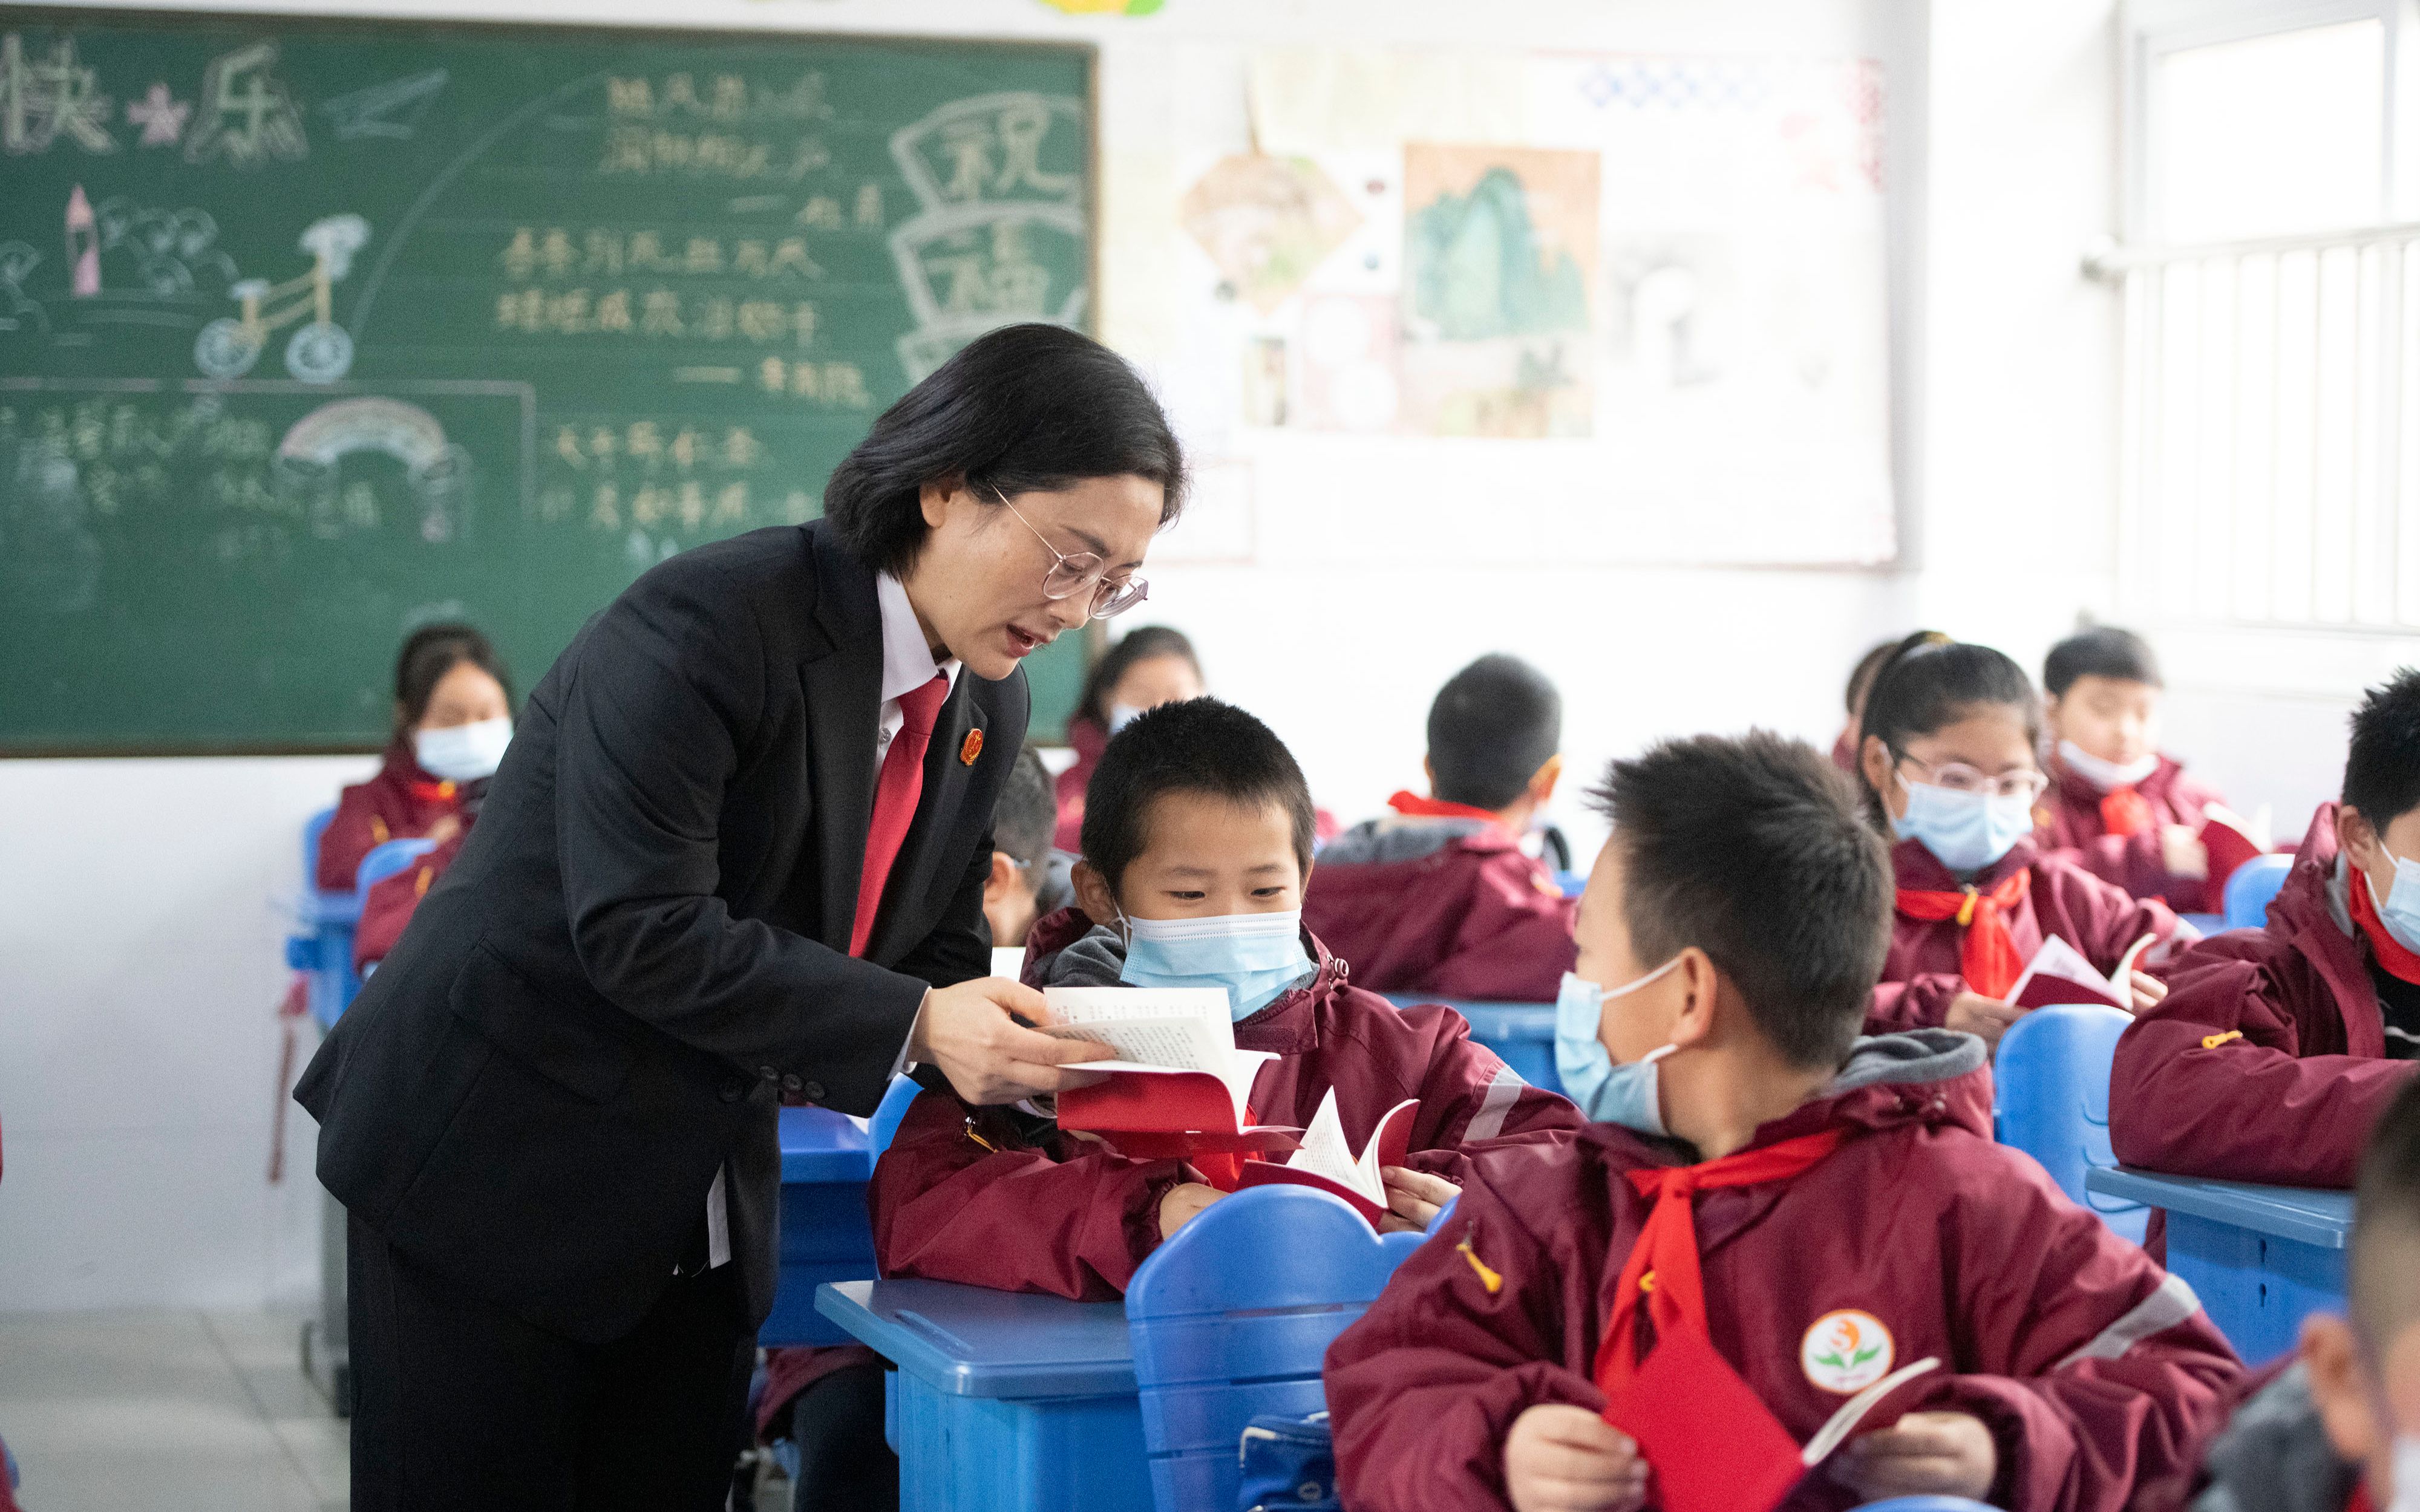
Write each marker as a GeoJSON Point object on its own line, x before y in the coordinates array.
{"type": "Point", "coordinates": [2125, 811]}
{"type": "Point", "coordinates": [1987, 956]}
{"type": "Point", "coordinates": [1663, 1264]}
{"type": "Point", "coordinates": [894, 800]}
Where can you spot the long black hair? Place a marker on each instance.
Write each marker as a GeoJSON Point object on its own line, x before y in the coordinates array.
{"type": "Point", "coordinates": [1144, 642]}
{"type": "Point", "coordinates": [1928, 683]}
{"type": "Point", "coordinates": [1023, 408]}
{"type": "Point", "coordinates": [427, 654]}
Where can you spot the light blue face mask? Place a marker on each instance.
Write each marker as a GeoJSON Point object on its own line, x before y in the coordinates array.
{"type": "Point", "coordinates": [2399, 910]}
{"type": "Point", "coordinates": [1253, 956]}
{"type": "Point", "coordinates": [1629, 1095]}
{"type": "Point", "coordinates": [1965, 831]}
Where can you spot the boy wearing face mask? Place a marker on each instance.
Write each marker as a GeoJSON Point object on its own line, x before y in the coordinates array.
{"type": "Point", "coordinates": [453, 718]}
{"type": "Point", "coordinates": [2116, 805]}
{"type": "Point", "coordinates": [2277, 1048]}
{"type": "Point", "coordinates": [1817, 1208]}
{"type": "Point", "coordinates": [1949, 736]}
{"type": "Point", "coordinates": [1439, 897]}
{"type": "Point", "coordinates": [2338, 1430]}
{"type": "Point", "coordinates": [1197, 839]}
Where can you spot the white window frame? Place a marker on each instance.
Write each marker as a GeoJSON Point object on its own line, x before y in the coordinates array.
{"type": "Point", "coordinates": [2155, 28]}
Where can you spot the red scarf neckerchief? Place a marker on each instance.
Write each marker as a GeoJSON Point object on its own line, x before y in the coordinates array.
{"type": "Point", "coordinates": [2401, 963]}
{"type": "Point", "coordinates": [1412, 805]}
{"type": "Point", "coordinates": [439, 792]}
{"type": "Point", "coordinates": [1986, 955]}
{"type": "Point", "coordinates": [2125, 811]}
{"type": "Point", "coordinates": [1663, 1264]}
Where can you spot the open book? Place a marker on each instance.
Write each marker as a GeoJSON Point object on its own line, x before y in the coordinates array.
{"type": "Point", "coordinates": [1713, 1444]}
{"type": "Point", "coordinates": [2060, 974]}
{"type": "Point", "coordinates": [2229, 839]}
{"type": "Point", "coordinates": [1327, 1162]}
{"type": "Point", "coordinates": [1178, 1084]}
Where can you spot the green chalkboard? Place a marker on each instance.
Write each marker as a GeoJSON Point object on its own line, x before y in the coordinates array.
{"type": "Point", "coordinates": [312, 332]}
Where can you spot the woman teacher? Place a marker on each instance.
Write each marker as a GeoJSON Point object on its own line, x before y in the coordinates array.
{"type": "Point", "coordinates": [735, 855]}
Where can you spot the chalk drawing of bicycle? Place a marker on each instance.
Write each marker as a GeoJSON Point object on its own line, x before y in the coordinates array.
{"type": "Point", "coordinates": [320, 352]}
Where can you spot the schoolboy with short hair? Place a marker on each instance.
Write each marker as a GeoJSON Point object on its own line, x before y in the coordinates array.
{"type": "Point", "coordinates": [2339, 1431]}
{"type": "Point", "coordinates": [1438, 895]}
{"type": "Point", "coordinates": [1816, 1208]}
{"type": "Point", "coordinates": [2117, 806]}
{"type": "Point", "coordinates": [1197, 839]}
{"type": "Point", "coordinates": [1021, 827]}
{"type": "Point", "coordinates": [2278, 1048]}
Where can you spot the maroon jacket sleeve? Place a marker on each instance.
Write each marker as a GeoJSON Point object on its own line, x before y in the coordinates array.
{"type": "Point", "coordinates": [358, 828]}
{"type": "Point", "coordinates": [2213, 1081]}
{"type": "Point", "coordinates": [1515, 941]}
{"type": "Point", "coordinates": [2114, 920]}
{"type": "Point", "coordinates": [1423, 1387]}
{"type": "Point", "coordinates": [1470, 1100]}
{"type": "Point", "coordinates": [1072, 1219]}
{"type": "Point", "coordinates": [2096, 1371]}
{"type": "Point", "coordinates": [1921, 1002]}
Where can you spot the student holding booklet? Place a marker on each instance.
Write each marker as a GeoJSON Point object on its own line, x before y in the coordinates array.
{"type": "Point", "coordinates": [1197, 838]}
{"type": "Point", "coordinates": [1949, 736]}
{"type": "Point", "coordinates": [1787, 1266]}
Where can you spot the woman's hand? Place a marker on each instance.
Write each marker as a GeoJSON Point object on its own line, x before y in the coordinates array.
{"type": "Point", "coordinates": [1985, 1016]}
{"type": "Point", "coordinates": [989, 1057]}
{"type": "Point", "coordinates": [1923, 1454]}
{"type": "Point", "coordinates": [2148, 992]}
{"type": "Point", "coordinates": [1413, 1200]}
{"type": "Point", "coordinates": [1182, 1204]}
{"type": "Point", "coordinates": [1564, 1459]}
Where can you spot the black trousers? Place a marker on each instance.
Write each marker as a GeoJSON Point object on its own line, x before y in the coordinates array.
{"type": "Point", "coordinates": [460, 1405]}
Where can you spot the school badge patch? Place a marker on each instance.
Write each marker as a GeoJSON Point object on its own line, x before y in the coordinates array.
{"type": "Point", "coordinates": [1845, 1351]}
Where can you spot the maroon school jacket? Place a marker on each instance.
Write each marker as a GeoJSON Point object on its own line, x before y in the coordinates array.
{"type": "Point", "coordinates": [2095, 1371]}
{"type": "Point", "coordinates": [2068, 826]}
{"type": "Point", "coordinates": [389, 903]}
{"type": "Point", "coordinates": [1921, 975]}
{"type": "Point", "coordinates": [400, 802]}
{"type": "Point", "coordinates": [2267, 1061]}
{"type": "Point", "coordinates": [1445, 906]}
{"type": "Point", "coordinates": [993, 1198]}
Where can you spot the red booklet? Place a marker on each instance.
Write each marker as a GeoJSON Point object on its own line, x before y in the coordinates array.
{"type": "Point", "coordinates": [2060, 974]}
{"type": "Point", "coordinates": [1325, 1161]}
{"type": "Point", "coordinates": [1713, 1444]}
{"type": "Point", "coordinates": [1179, 1085]}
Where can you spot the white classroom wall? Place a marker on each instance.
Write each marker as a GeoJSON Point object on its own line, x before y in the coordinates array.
{"type": "Point", "coordinates": [138, 941]}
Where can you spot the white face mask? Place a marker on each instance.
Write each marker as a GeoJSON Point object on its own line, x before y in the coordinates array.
{"type": "Point", "coordinates": [2106, 776]}
{"type": "Point", "coordinates": [1123, 715]}
{"type": "Point", "coordinates": [462, 752]}
{"type": "Point", "coordinates": [2407, 1475]}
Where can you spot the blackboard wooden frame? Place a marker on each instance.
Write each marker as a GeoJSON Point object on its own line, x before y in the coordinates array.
{"type": "Point", "coordinates": [1093, 637]}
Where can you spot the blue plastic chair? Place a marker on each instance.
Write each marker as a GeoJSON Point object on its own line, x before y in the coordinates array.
{"type": "Point", "coordinates": [2205, 925]}
{"type": "Point", "coordinates": [1924, 1503]}
{"type": "Point", "coordinates": [2052, 1077]}
{"type": "Point", "coordinates": [2252, 887]}
{"type": "Point", "coordinates": [382, 862]}
{"type": "Point", "coordinates": [893, 1107]}
{"type": "Point", "coordinates": [1231, 1318]}
{"type": "Point", "coordinates": [321, 947]}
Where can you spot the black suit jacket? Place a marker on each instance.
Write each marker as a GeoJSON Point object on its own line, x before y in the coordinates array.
{"type": "Point", "coordinates": [645, 941]}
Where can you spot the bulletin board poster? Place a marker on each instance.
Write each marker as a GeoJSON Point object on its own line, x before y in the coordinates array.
{"type": "Point", "coordinates": [1663, 275]}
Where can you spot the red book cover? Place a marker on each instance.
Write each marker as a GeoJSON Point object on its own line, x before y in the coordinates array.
{"type": "Point", "coordinates": [1325, 1161]}
{"type": "Point", "coordinates": [1711, 1442]}
{"type": "Point", "coordinates": [2229, 839]}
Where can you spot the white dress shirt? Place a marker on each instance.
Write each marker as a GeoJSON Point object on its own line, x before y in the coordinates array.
{"type": "Point", "coordinates": [907, 665]}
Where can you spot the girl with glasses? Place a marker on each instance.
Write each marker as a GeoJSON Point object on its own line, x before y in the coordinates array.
{"type": "Point", "coordinates": [1948, 754]}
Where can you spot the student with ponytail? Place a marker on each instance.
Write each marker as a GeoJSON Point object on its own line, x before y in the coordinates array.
{"type": "Point", "coordinates": [1947, 751]}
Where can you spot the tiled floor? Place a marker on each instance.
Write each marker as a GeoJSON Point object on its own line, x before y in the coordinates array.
{"type": "Point", "coordinates": [126, 1412]}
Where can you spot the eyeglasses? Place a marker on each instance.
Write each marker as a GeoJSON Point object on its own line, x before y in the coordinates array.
{"type": "Point", "coordinates": [1960, 778]}
{"type": "Point", "coordinates": [1075, 572]}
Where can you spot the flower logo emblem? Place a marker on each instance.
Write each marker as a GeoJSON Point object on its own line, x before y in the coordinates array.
{"type": "Point", "coordinates": [1845, 1351]}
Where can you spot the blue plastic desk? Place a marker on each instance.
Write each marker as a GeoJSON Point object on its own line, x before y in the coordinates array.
{"type": "Point", "coordinates": [1002, 1401]}
{"type": "Point", "coordinates": [826, 1236]}
{"type": "Point", "coordinates": [2261, 1257]}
